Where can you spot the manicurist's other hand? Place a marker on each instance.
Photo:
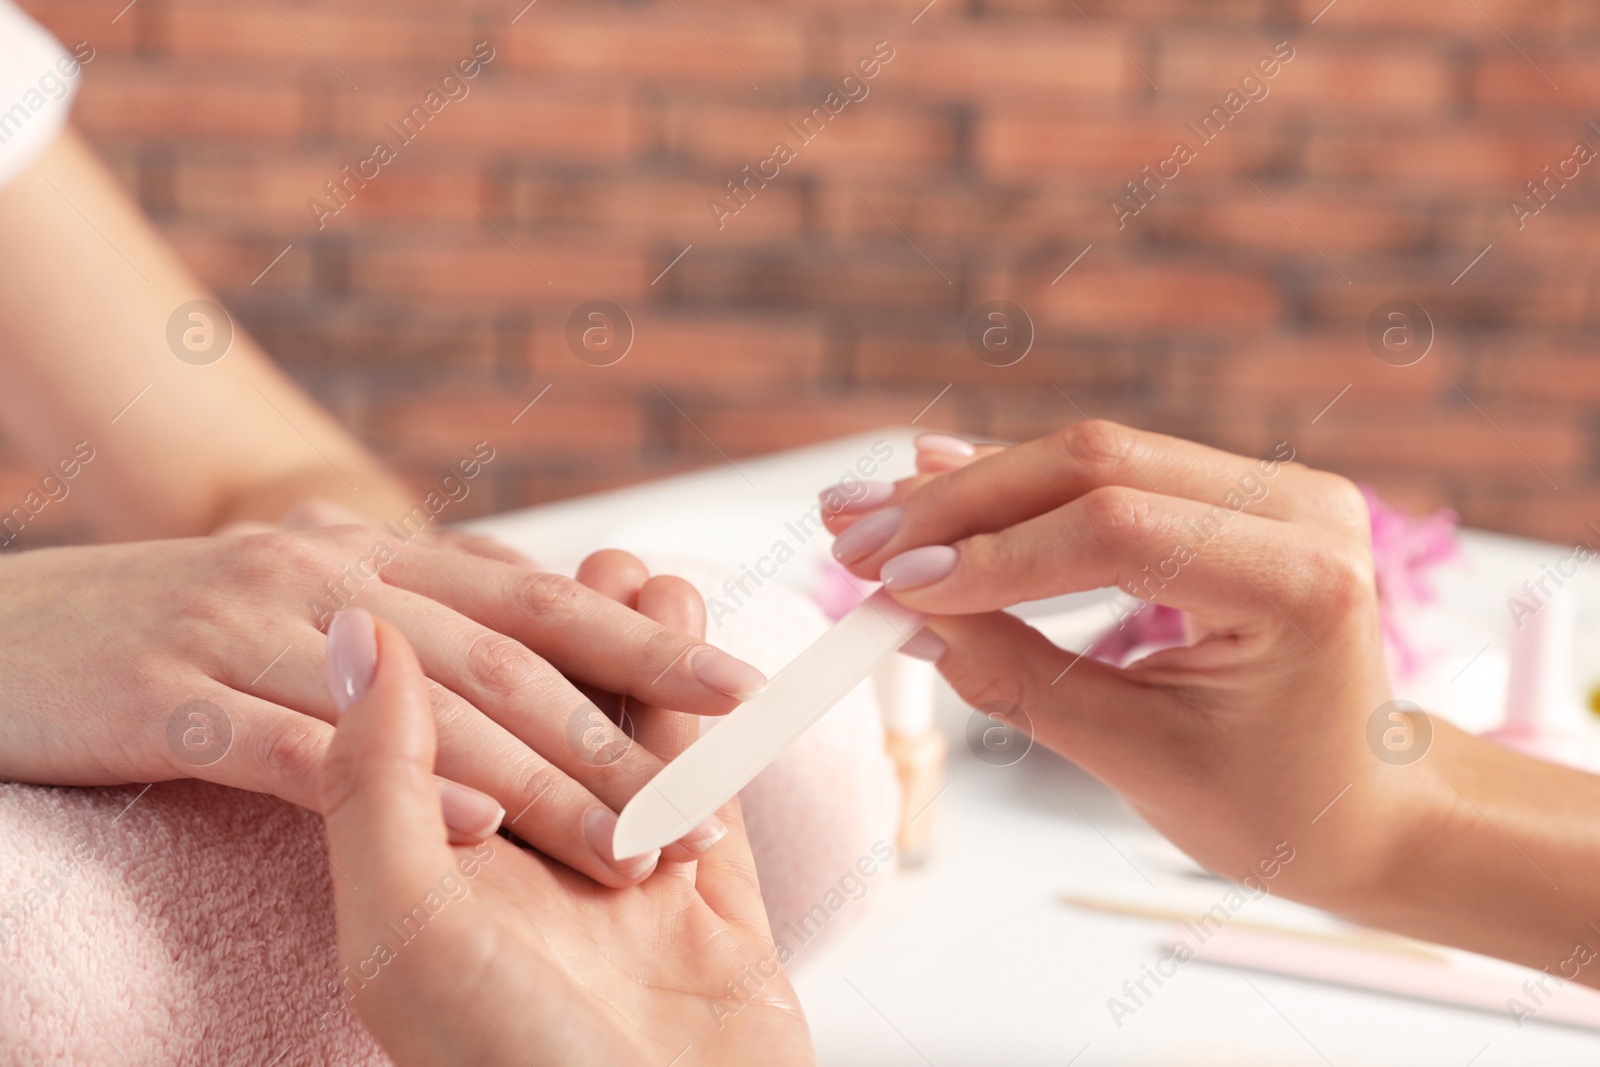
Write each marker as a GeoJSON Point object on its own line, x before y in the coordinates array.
{"type": "Point", "coordinates": [1266, 746]}
{"type": "Point", "coordinates": [496, 955]}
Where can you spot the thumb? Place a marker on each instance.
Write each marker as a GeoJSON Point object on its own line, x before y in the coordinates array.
{"type": "Point", "coordinates": [1086, 710]}
{"type": "Point", "coordinates": [380, 799]}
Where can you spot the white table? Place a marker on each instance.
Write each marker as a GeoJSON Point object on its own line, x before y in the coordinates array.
{"type": "Point", "coordinates": [976, 960]}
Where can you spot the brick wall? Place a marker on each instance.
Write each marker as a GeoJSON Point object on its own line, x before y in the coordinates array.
{"type": "Point", "coordinates": [1228, 302]}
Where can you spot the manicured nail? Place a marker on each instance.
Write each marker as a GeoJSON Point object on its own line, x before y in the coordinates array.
{"type": "Point", "coordinates": [917, 568]}
{"type": "Point", "coordinates": [352, 656]}
{"type": "Point", "coordinates": [724, 673]}
{"type": "Point", "coordinates": [943, 442]}
{"type": "Point", "coordinates": [925, 645]}
{"type": "Point", "coordinates": [470, 815]}
{"type": "Point", "coordinates": [852, 499]}
{"type": "Point", "coordinates": [599, 826]}
{"type": "Point", "coordinates": [702, 837]}
{"type": "Point", "coordinates": [868, 535]}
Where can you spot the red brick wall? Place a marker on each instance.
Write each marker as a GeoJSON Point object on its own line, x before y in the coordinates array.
{"type": "Point", "coordinates": [1233, 307]}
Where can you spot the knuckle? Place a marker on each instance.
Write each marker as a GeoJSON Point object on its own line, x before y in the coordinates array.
{"type": "Point", "coordinates": [1095, 445]}
{"type": "Point", "coordinates": [501, 665]}
{"type": "Point", "coordinates": [543, 592]}
{"type": "Point", "coordinates": [1341, 579]}
{"type": "Point", "coordinates": [342, 780]}
{"type": "Point", "coordinates": [536, 790]}
{"type": "Point", "coordinates": [266, 558]}
{"type": "Point", "coordinates": [665, 650]}
{"type": "Point", "coordinates": [450, 711]}
{"type": "Point", "coordinates": [290, 752]}
{"type": "Point", "coordinates": [1117, 517]}
{"type": "Point", "coordinates": [990, 688]}
{"type": "Point", "coordinates": [1345, 501]}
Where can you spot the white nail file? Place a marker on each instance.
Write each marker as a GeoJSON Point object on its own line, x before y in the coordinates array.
{"type": "Point", "coordinates": [711, 771]}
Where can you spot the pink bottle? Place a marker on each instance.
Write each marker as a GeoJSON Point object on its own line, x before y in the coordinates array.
{"type": "Point", "coordinates": [1543, 716]}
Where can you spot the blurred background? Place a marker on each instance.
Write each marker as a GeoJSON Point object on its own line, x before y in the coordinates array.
{"type": "Point", "coordinates": [982, 163]}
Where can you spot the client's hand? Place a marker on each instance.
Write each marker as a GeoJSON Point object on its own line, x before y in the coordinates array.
{"type": "Point", "coordinates": [495, 955]}
{"type": "Point", "coordinates": [1230, 746]}
{"type": "Point", "coordinates": [314, 513]}
{"type": "Point", "coordinates": [204, 658]}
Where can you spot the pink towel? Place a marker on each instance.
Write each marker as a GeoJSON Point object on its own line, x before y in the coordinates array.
{"type": "Point", "coordinates": [192, 924]}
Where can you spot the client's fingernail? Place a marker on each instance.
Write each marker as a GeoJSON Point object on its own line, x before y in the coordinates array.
{"type": "Point", "coordinates": [926, 645]}
{"type": "Point", "coordinates": [470, 815]}
{"type": "Point", "coordinates": [702, 837]}
{"type": "Point", "coordinates": [352, 656]}
{"type": "Point", "coordinates": [943, 442]}
{"type": "Point", "coordinates": [724, 673]}
{"type": "Point", "coordinates": [844, 499]}
{"type": "Point", "coordinates": [599, 826]}
{"type": "Point", "coordinates": [868, 535]}
{"type": "Point", "coordinates": [917, 568]}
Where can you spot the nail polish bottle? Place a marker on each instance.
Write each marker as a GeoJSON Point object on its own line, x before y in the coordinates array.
{"type": "Point", "coordinates": [1544, 718]}
{"type": "Point", "coordinates": [905, 689]}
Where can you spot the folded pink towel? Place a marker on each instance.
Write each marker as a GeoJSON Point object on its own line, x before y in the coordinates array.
{"type": "Point", "coordinates": [191, 924]}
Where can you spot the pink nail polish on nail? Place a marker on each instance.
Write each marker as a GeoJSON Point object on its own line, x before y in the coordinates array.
{"type": "Point", "coordinates": [943, 442]}
{"type": "Point", "coordinates": [352, 656]}
{"type": "Point", "coordinates": [869, 534]}
{"type": "Point", "coordinates": [844, 499]}
{"type": "Point", "coordinates": [918, 567]}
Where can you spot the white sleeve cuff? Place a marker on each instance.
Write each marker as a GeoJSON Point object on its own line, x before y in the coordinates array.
{"type": "Point", "coordinates": [37, 81]}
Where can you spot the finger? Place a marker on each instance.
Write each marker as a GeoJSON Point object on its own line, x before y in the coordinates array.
{"type": "Point", "coordinates": [614, 573]}
{"type": "Point", "coordinates": [547, 808]}
{"type": "Point", "coordinates": [385, 830]}
{"type": "Point", "coordinates": [675, 604]}
{"type": "Point", "coordinates": [386, 838]}
{"type": "Point", "coordinates": [575, 767]}
{"type": "Point", "coordinates": [939, 452]}
{"type": "Point", "coordinates": [589, 636]}
{"type": "Point", "coordinates": [1086, 710]}
{"type": "Point", "coordinates": [315, 512]}
{"type": "Point", "coordinates": [486, 547]}
{"type": "Point", "coordinates": [1233, 571]}
{"type": "Point", "coordinates": [726, 876]}
{"type": "Point", "coordinates": [1019, 483]}
{"type": "Point", "coordinates": [241, 741]}
{"type": "Point", "coordinates": [845, 503]}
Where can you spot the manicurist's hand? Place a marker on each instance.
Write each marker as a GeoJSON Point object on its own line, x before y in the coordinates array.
{"type": "Point", "coordinates": [508, 958]}
{"type": "Point", "coordinates": [205, 658]}
{"type": "Point", "coordinates": [1268, 735]}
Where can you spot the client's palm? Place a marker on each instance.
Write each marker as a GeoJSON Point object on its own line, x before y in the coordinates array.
{"type": "Point", "coordinates": [680, 969]}
{"type": "Point", "coordinates": [496, 955]}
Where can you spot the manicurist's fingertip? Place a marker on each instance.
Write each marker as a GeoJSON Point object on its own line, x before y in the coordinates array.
{"type": "Point", "coordinates": [918, 568]}
{"type": "Point", "coordinates": [352, 656]}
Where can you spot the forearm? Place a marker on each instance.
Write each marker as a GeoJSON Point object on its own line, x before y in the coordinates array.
{"type": "Point", "coordinates": [86, 291]}
{"type": "Point", "coordinates": [1494, 852]}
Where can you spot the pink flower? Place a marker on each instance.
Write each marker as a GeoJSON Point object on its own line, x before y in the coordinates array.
{"type": "Point", "coordinates": [1404, 550]}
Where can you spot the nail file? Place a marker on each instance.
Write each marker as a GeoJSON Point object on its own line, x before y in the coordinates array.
{"type": "Point", "coordinates": [711, 771]}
